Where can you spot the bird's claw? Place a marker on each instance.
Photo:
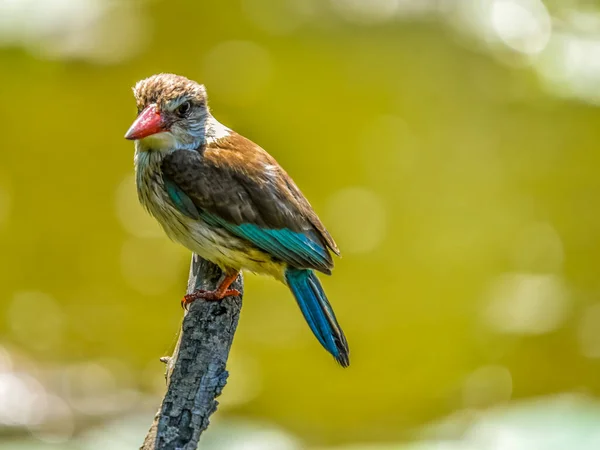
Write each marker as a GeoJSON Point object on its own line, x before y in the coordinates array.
{"type": "Point", "coordinates": [212, 296]}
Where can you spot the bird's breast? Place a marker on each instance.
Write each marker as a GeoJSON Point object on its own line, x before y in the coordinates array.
{"type": "Point", "coordinates": [212, 243]}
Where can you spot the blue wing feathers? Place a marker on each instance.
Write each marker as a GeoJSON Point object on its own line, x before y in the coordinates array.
{"type": "Point", "coordinates": [300, 249]}
{"type": "Point", "coordinates": [294, 248]}
{"type": "Point", "coordinates": [287, 244]}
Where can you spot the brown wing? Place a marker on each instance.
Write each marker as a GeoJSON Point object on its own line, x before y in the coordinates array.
{"type": "Point", "coordinates": [238, 182]}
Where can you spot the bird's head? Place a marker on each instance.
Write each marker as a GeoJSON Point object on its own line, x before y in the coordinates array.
{"type": "Point", "coordinates": [172, 113]}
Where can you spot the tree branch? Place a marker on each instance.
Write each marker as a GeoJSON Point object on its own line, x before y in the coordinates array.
{"type": "Point", "coordinates": [196, 372]}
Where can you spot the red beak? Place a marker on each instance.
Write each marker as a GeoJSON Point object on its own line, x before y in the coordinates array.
{"type": "Point", "coordinates": [149, 122]}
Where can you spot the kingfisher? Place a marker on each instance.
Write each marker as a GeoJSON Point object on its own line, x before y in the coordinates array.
{"type": "Point", "coordinates": [226, 199]}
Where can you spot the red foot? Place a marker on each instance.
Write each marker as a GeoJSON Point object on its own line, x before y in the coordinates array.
{"type": "Point", "coordinates": [212, 296]}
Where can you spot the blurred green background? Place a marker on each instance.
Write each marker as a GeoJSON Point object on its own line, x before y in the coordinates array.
{"type": "Point", "coordinates": [450, 146]}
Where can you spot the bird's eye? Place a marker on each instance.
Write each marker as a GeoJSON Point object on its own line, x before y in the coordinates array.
{"type": "Point", "coordinates": [183, 109]}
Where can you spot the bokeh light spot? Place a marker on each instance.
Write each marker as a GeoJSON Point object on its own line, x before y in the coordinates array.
{"type": "Point", "coordinates": [570, 66]}
{"type": "Point", "coordinates": [101, 31]}
{"type": "Point", "coordinates": [23, 400]}
{"type": "Point", "coordinates": [523, 25]}
{"type": "Point", "coordinates": [524, 303]}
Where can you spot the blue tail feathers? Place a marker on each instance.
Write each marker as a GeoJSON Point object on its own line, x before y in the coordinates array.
{"type": "Point", "coordinates": [318, 312]}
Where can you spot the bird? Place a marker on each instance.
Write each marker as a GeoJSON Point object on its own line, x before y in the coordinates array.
{"type": "Point", "coordinates": [226, 199]}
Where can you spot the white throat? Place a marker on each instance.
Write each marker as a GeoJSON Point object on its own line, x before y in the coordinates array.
{"type": "Point", "coordinates": [157, 142]}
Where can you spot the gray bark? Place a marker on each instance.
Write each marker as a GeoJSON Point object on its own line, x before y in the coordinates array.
{"type": "Point", "coordinates": [196, 372]}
